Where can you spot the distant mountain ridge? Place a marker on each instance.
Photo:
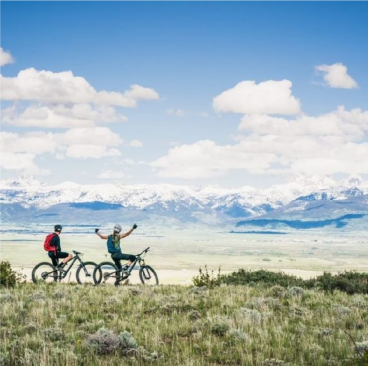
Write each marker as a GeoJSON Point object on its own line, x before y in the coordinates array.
{"type": "Point", "coordinates": [302, 197]}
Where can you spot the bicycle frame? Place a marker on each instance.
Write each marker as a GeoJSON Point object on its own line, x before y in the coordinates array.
{"type": "Point", "coordinates": [64, 273]}
{"type": "Point", "coordinates": [127, 273]}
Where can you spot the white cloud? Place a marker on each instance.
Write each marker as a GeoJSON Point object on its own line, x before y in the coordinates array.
{"type": "Point", "coordinates": [351, 125]}
{"type": "Point", "coordinates": [84, 151]}
{"type": "Point", "coordinates": [178, 113]}
{"type": "Point", "coordinates": [34, 143]}
{"type": "Point", "coordinates": [21, 162]}
{"type": "Point", "coordinates": [111, 174]}
{"type": "Point", "coordinates": [60, 115]}
{"type": "Point", "coordinates": [136, 143]}
{"type": "Point", "coordinates": [336, 76]}
{"type": "Point", "coordinates": [75, 143]}
{"type": "Point", "coordinates": [64, 87]}
{"type": "Point", "coordinates": [329, 144]}
{"type": "Point", "coordinates": [140, 92]}
{"type": "Point", "coordinates": [268, 97]}
{"type": "Point", "coordinates": [206, 159]}
{"type": "Point", "coordinates": [99, 136]}
{"type": "Point", "coordinates": [5, 57]}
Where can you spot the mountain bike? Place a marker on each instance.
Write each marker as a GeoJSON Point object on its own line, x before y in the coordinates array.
{"type": "Point", "coordinates": [46, 272]}
{"type": "Point", "coordinates": [107, 272]}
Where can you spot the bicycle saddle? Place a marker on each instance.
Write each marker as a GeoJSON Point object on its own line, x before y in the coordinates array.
{"type": "Point", "coordinates": [75, 252]}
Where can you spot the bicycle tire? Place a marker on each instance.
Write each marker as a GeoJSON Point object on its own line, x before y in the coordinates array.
{"type": "Point", "coordinates": [98, 273]}
{"type": "Point", "coordinates": [44, 273]}
{"type": "Point", "coordinates": [146, 273]}
{"type": "Point", "coordinates": [80, 274]}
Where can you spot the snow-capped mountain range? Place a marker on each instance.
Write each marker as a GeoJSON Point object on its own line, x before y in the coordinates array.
{"type": "Point", "coordinates": [296, 198]}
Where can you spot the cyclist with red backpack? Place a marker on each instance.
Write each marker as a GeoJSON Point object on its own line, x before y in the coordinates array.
{"type": "Point", "coordinates": [52, 246]}
{"type": "Point", "coordinates": [113, 246]}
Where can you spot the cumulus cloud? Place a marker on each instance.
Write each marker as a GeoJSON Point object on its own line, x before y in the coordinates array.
{"type": "Point", "coordinates": [205, 159]}
{"type": "Point", "coordinates": [81, 143]}
{"type": "Point", "coordinates": [34, 143]}
{"type": "Point", "coordinates": [64, 87]}
{"type": "Point", "coordinates": [330, 143]}
{"type": "Point", "coordinates": [268, 97]}
{"type": "Point", "coordinates": [136, 143]}
{"type": "Point", "coordinates": [351, 125]}
{"type": "Point", "coordinates": [336, 76]}
{"type": "Point", "coordinates": [99, 136]}
{"type": "Point", "coordinates": [60, 115]}
{"type": "Point", "coordinates": [21, 162]}
{"type": "Point", "coordinates": [84, 151]}
{"type": "Point", "coordinates": [5, 57]}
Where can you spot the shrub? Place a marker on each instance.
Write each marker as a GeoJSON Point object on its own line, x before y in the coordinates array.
{"type": "Point", "coordinates": [243, 277]}
{"type": "Point", "coordinates": [204, 278]}
{"type": "Point", "coordinates": [8, 277]}
{"type": "Point", "coordinates": [251, 314]}
{"type": "Point", "coordinates": [349, 282]}
{"type": "Point", "coordinates": [219, 325]}
{"type": "Point", "coordinates": [104, 341]}
{"type": "Point", "coordinates": [295, 291]}
{"type": "Point", "coordinates": [127, 342]}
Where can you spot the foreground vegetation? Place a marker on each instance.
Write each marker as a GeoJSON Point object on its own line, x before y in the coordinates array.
{"type": "Point", "coordinates": [69, 324]}
{"type": "Point", "coordinates": [350, 282]}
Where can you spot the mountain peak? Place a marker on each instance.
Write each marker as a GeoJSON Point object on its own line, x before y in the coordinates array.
{"type": "Point", "coordinates": [23, 181]}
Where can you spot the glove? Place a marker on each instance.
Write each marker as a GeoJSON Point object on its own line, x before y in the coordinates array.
{"type": "Point", "coordinates": [135, 226]}
{"type": "Point", "coordinates": [96, 230]}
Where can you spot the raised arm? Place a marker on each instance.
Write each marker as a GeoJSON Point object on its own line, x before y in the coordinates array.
{"type": "Point", "coordinates": [100, 235]}
{"type": "Point", "coordinates": [128, 232]}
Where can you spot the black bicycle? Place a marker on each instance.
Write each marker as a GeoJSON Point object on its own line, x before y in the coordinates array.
{"type": "Point", "coordinates": [46, 272]}
{"type": "Point", "coordinates": [107, 272]}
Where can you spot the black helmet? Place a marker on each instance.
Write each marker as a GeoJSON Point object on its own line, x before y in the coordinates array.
{"type": "Point", "coordinates": [58, 228]}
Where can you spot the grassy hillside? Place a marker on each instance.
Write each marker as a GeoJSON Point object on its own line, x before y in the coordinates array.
{"type": "Point", "coordinates": [175, 325]}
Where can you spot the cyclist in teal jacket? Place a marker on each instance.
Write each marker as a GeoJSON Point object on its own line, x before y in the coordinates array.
{"type": "Point", "coordinates": [118, 255]}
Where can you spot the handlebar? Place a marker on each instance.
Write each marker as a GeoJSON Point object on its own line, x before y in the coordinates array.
{"type": "Point", "coordinates": [145, 251]}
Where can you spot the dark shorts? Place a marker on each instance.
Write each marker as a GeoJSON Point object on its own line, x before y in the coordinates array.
{"type": "Point", "coordinates": [117, 257]}
{"type": "Point", "coordinates": [58, 255]}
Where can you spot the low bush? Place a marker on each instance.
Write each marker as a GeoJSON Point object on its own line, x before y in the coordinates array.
{"type": "Point", "coordinates": [349, 281]}
{"type": "Point", "coordinates": [8, 277]}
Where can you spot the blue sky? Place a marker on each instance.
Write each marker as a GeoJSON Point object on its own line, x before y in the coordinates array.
{"type": "Point", "coordinates": [189, 53]}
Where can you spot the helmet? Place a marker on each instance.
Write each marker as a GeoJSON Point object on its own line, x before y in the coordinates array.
{"type": "Point", "coordinates": [117, 228]}
{"type": "Point", "coordinates": [58, 228]}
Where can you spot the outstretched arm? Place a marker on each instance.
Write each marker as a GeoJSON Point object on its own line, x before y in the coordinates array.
{"type": "Point", "coordinates": [100, 235]}
{"type": "Point", "coordinates": [128, 232]}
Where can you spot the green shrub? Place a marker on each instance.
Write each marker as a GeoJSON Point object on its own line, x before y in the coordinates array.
{"type": "Point", "coordinates": [350, 282]}
{"type": "Point", "coordinates": [8, 277]}
{"type": "Point", "coordinates": [244, 277]}
{"type": "Point", "coordinates": [204, 278]}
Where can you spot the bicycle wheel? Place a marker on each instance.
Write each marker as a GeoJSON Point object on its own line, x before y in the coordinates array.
{"type": "Point", "coordinates": [85, 272]}
{"type": "Point", "coordinates": [105, 272]}
{"type": "Point", "coordinates": [148, 276]}
{"type": "Point", "coordinates": [44, 272]}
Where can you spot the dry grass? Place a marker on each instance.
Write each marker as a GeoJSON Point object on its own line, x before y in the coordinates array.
{"type": "Point", "coordinates": [173, 325]}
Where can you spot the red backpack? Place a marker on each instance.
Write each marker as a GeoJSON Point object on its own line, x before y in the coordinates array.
{"type": "Point", "coordinates": [47, 245]}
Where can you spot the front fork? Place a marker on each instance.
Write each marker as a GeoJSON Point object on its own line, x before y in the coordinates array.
{"type": "Point", "coordinates": [145, 271]}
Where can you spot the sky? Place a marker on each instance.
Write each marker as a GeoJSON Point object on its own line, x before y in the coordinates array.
{"type": "Point", "coordinates": [190, 93]}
